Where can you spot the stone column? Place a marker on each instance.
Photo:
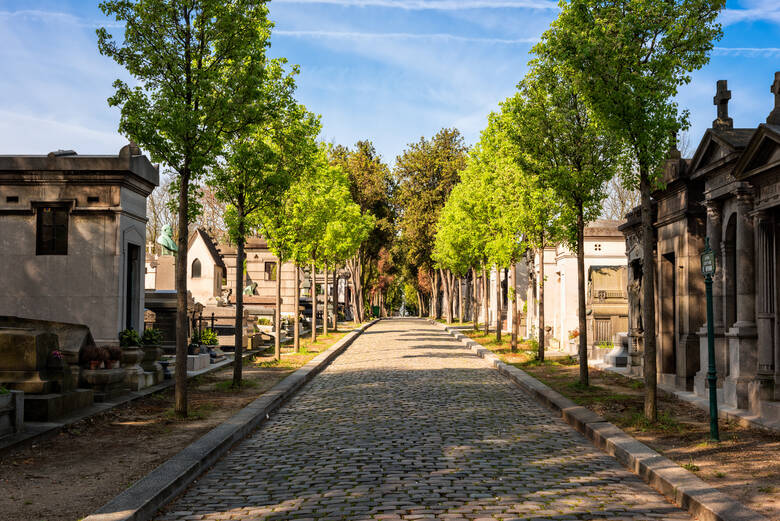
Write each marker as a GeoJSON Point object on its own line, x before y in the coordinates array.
{"type": "Point", "coordinates": [715, 235]}
{"type": "Point", "coordinates": [765, 305]}
{"type": "Point", "coordinates": [746, 293]}
{"type": "Point", "coordinates": [763, 387]}
{"type": "Point", "coordinates": [742, 336]}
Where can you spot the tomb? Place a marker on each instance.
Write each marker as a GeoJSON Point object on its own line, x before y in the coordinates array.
{"type": "Point", "coordinates": [72, 238]}
{"type": "Point", "coordinates": [729, 192]}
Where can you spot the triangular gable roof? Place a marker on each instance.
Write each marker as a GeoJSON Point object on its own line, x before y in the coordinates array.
{"type": "Point", "coordinates": [761, 154]}
{"type": "Point", "coordinates": [210, 246]}
{"type": "Point", "coordinates": [718, 146]}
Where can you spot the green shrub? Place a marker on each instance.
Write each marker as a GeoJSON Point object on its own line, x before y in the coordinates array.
{"type": "Point", "coordinates": [209, 337]}
{"type": "Point", "coordinates": [152, 337]}
{"type": "Point", "coordinates": [129, 337]}
{"type": "Point", "coordinates": [3, 390]}
{"type": "Point", "coordinates": [263, 321]}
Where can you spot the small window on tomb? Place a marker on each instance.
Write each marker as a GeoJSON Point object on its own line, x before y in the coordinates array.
{"type": "Point", "coordinates": [52, 231]}
{"type": "Point", "coordinates": [93, 199]}
{"type": "Point", "coordinates": [12, 199]}
{"type": "Point", "coordinates": [270, 271]}
{"type": "Point", "coordinates": [196, 269]}
{"type": "Point", "coordinates": [597, 247]}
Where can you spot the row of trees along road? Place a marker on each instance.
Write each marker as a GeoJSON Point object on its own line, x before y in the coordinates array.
{"type": "Point", "coordinates": [425, 174]}
{"type": "Point", "coordinates": [211, 106]}
{"type": "Point", "coordinates": [598, 101]}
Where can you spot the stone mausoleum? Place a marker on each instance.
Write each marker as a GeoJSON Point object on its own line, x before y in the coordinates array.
{"type": "Point", "coordinates": [729, 192]}
{"type": "Point", "coordinates": [72, 238]}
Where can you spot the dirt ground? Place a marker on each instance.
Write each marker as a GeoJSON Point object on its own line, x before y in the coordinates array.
{"type": "Point", "coordinates": [71, 475]}
{"type": "Point", "coordinates": [745, 464]}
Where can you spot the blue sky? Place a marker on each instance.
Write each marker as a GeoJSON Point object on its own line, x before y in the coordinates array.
{"type": "Point", "coordinates": [386, 70]}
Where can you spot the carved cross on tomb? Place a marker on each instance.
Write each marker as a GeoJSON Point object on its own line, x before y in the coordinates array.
{"type": "Point", "coordinates": [721, 100]}
{"type": "Point", "coordinates": [774, 116]}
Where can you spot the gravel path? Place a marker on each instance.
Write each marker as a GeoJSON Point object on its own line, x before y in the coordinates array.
{"type": "Point", "coordinates": [408, 424]}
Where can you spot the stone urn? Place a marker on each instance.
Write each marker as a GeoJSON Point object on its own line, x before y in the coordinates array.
{"type": "Point", "coordinates": [106, 383]}
{"type": "Point", "coordinates": [134, 373]}
{"type": "Point", "coordinates": [151, 362]}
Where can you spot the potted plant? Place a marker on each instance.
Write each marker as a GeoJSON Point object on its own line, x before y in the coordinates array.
{"type": "Point", "coordinates": [130, 341]}
{"type": "Point", "coordinates": [151, 341]}
{"type": "Point", "coordinates": [114, 356]}
{"type": "Point", "coordinates": [91, 357]}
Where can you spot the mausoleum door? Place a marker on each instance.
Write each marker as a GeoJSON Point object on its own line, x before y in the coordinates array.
{"type": "Point", "coordinates": [669, 327]}
{"type": "Point", "coordinates": [132, 288]}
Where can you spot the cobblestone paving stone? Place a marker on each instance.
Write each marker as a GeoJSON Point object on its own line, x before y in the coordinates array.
{"type": "Point", "coordinates": [408, 424]}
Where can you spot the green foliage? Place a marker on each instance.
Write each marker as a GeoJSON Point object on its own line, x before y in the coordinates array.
{"type": "Point", "coordinates": [152, 337]}
{"type": "Point", "coordinates": [425, 174]}
{"type": "Point", "coordinates": [201, 70]}
{"type": "Point", "coordinates": [628, 58]}
{"type": "Point", "coordinates": [209, 337]}
{"type": "Point", "coordinates": [3, 390]}
{"type": "Point", "coordinates": [129, 337]}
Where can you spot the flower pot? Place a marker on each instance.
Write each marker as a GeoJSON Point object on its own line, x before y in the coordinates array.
{"type": "Point", "coordinates": [94, 364]}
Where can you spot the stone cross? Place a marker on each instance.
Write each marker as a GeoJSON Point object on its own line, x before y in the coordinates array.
{"type": "Point", "coordinates": [721, 99]}
{"type": "Point", "coordinates": [774, 116]}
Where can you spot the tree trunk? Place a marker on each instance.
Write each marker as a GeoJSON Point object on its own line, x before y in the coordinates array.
{"type": "Point", "coordinates": [296, 306]}
{"type": "Point", "coordinates": [335, 298]}
{"type": "Point", "coordinates": [451, 300]}
{"type": "Point", "coordinates": [238, 339]}
{"type": "Point", "coordinates": [355, 267]}
{"type": "Point", "coordinates": [475, 299]}
{"type": "Point", "coordinates": [499, 303]}
{"type": "Point", "coordinates": [278, 311]}
{"type": "Point", "coordinates": [326, 294]}
{"type": "Point", "coordinates": [445, 307]}
{"type": "Point", "coordinates": [540, 354]}
{"type": "Point", "coordinates": [648, 297]}
{"type": "Point", "coordinates": [313, 303]}
{"type": "Point", "coordinates": [515, 319]}
{"type": "Point", "coordinates": [581, 297]}
{"type": "Point", "coordinates": [460, 300]}
{"type": "Point", "coordinates": [486, 298]}
{"type": "Point", "coordinates": [419, 305]}
{"type": "Point", "coordinates": [435, 295]}
{"type": "Point", "coordinates": [182, 326]}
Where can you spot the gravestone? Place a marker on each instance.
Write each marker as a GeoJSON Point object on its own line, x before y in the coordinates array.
{"type": "Point", "coordinates": [31, 361]}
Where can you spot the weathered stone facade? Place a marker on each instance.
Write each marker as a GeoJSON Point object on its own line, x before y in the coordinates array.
{"type": "Point", "coordinates": [72, 238]}
{"type": "Point", "coordinates": [728, 192]}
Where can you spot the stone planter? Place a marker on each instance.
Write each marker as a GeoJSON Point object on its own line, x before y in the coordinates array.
{"type": "Point", "coordinates": [134, 373]}
{"type": "Point", "coordinates": [11, 413]}
{"type": "Point", "coordinates": [151, 364]}
{"type": "Point", "coordinates": [106, 383]}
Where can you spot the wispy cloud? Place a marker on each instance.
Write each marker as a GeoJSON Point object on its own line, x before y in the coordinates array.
{"type": "Point", "coordinates": [57, 17]}
{"type": "Point", "coordinates": [348, 35]}
{"type": "Point", "coordinates": [438, 5]}
{"type": "Point", "coordinates": [746, 51]}
{"type": "Point", "coordinates": [734, 16]}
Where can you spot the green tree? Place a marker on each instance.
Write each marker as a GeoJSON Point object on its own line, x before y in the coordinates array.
{"type": "Point", "coordinates": [200, 67]}
{"type": "Point", "coordinates": [256, 170]}
{"type": "Point", "coordinates": [574, 154]}
{"type": "Point", "coordinates": [371, 187]}
{"type": "Point", "coordinates": [628, 58]}
{"type": "Point", "coordinates": [425, 174]}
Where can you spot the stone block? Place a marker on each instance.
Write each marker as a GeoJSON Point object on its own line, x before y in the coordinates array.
{"type": "Point", "coordinates": [23, 360]}
{"type": "Point", "coordinates": [11, 413]}
{"type": "Point", "coordinates": [198, 362]}
{"type": "Point", "coordinates": [49, 407]}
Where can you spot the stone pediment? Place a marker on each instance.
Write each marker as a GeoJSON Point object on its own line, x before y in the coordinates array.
{"type": "Point", "coordinates": [717, 148]}
{"type": "Point", "coordinates": [762, 154]}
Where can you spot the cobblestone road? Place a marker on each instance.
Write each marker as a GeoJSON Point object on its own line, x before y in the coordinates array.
{"type": "Point", "coordinates": [408, 424]}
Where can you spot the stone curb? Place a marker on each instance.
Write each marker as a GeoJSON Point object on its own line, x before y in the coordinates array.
{"type": "Point", "coordinates": [687, 491]}
{"type": "Point", "coordinates": [146, 496]}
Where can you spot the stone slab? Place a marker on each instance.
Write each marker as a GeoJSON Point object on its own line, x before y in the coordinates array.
{"type": "Point", "coordinates": [683, 487]}
{"type": "Point", "coordinates": [50, 407]}
{"type": "Point", "coordinates": [150, 493]}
